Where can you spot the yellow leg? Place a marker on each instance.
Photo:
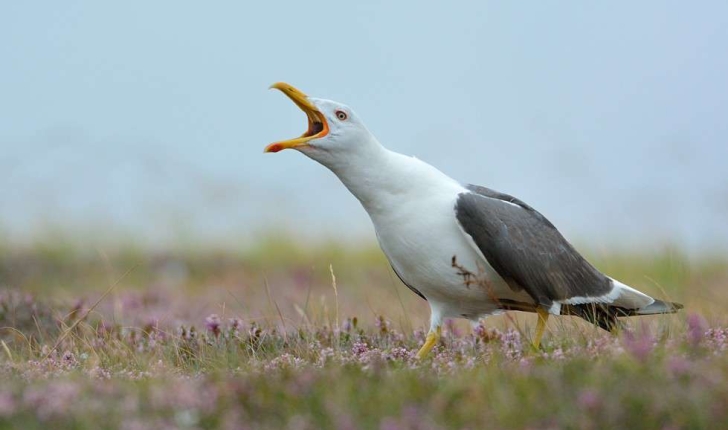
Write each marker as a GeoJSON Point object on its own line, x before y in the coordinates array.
{"type": "Point", "coordinates": [543, 316]}
{"type": "Point", "coordinates": [432, 338]}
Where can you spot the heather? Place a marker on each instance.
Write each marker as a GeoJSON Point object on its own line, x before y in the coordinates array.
{"type": "Point", "coordinates": [281, 335]}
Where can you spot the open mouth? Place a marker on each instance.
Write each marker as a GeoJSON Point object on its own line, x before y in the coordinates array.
{"type": "Point", "coordinates": [317, 125]}
{"type": "Point", "coordinates": [314, 128]}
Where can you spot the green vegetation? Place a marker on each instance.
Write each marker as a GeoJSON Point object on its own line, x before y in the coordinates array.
{"type": "Point", "coordinates": [260, 339]}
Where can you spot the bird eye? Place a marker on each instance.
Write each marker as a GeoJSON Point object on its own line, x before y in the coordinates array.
{"type": "Point", "coordinates": [341, 115]}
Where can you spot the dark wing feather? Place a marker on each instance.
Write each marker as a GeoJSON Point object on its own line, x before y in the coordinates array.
{"type": "Point", "coordinates": [605, 316]}
{"type": "Point", "coordinates": [526, 249]}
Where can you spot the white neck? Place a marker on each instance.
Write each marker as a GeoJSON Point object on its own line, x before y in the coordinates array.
{"type": "Point", "coordinates": [378, 176]}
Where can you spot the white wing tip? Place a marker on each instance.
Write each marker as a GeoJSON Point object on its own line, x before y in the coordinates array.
{"type": "Point", "coordinates": [621, 295]}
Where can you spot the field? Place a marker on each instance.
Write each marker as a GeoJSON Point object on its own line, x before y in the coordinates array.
{"type": "Point", "coordinates": [286, 336]}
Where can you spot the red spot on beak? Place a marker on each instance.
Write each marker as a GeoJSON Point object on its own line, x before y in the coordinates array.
{"type": "Point", "coordinates": [275, 148]}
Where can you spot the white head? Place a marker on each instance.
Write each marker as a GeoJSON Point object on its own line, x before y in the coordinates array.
{"type": "Point", "coordinates": [335, 134]}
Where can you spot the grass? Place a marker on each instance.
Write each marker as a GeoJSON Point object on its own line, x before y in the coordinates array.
{"type": "Point", "coordinates": [260, 338]}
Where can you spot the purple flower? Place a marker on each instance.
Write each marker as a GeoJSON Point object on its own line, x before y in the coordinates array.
{"type": "Point", "coordinates": [589, 399]}
{"type": "Point", "coordinates": [556, 354]}
{"type": "Point", "coordinates": [235, 324]}
{"type": "Point", "coordinates": [7, 404]}
{"type": "Point", "coordinates": [511, 345]}
{"type": "Point", "coordinates": [52, 400]}
{"type": "Point", "coordinates": [484, 334]}
{"type": "Point", "coordinates": [479, 329]}
{"type": "Point", "coordinates": [717, 339]}
{"type": "Point", "coordinates": [697, 327]}
{"type": "Point", "coordinates": [212, 323]}
{"type": "Point", "coordinates": [451, 328]}
{"type": "Point", "coordinates": [359, 348]}
{"type": "Point", "coordinates": [346, 326]}
{"type": "Point", "coordinates": [678, 366]}
{"type": "Point", "coordinates": [639, 346]}
{"type": "Point", "coordinates": [398, 353]}
{"type": "Point", "coordinates": [69, 360]}
{"type": "Point", "coordinates": [285, 361]}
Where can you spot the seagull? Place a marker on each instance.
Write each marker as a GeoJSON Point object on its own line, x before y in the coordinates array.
{"type": "Point", "coordinates": [469, 251]}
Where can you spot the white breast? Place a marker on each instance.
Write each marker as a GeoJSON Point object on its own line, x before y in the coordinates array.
{"type": "Point", "coordinates": [421, 237]}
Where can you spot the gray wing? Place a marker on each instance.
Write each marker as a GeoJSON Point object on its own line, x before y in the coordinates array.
{"type": "Point", "coordinates": [526, 249]}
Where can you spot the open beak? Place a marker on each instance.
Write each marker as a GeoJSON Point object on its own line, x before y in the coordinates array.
{"type": "Point", "coordinates": [317, 126]}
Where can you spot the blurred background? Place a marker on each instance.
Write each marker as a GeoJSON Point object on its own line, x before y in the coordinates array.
{"type": "Point", "coordinates": [146, 121]}
{"type": "Point", "coordinates": [132, 136]}
{"type": "Point", "coordinates": [136, 204]}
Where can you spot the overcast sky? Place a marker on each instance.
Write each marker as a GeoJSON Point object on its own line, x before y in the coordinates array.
{"type": "Point", "coordinates": [149, 118]}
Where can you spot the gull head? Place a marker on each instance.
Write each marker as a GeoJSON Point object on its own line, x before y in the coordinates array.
{"type": "Point", "coordinates": [334, 132]}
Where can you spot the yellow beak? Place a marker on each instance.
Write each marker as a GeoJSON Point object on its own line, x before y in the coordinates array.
{"type": "Point", "coordinates": [317, 125]}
